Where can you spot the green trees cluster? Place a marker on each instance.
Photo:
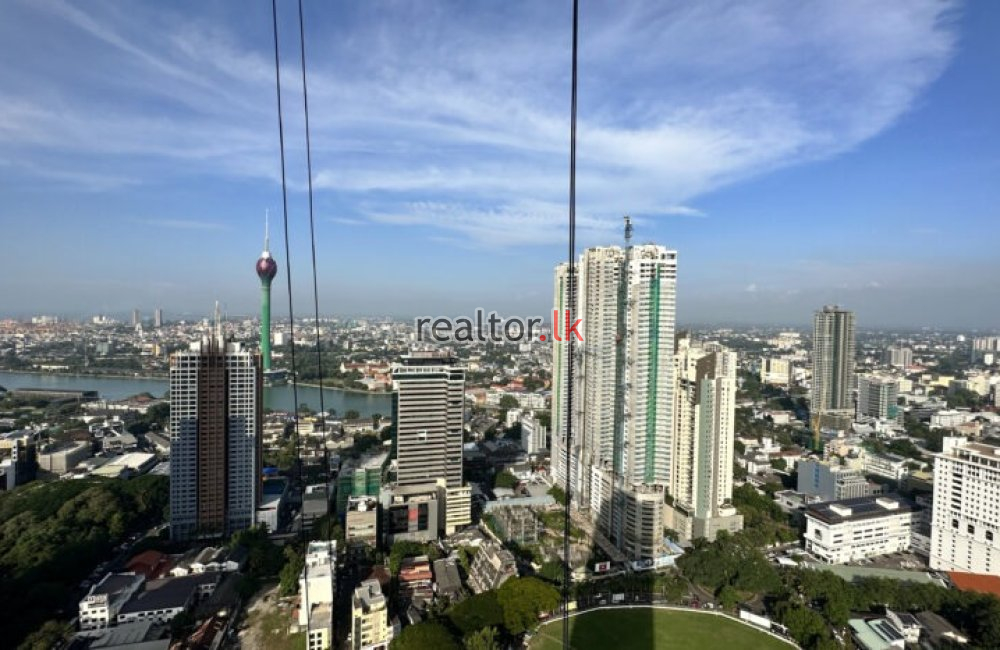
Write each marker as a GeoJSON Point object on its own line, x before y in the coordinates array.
{"type": "Point", "coordinates": [764, 522]}
{"type": "Point", "coordinates": [406, 548]}
{"type": "Point", "coordinates": [731, 560]}
{"type": "Point", "coordinates": [53, 534]}
{"type": "Point", "coordinates": [486, 621]}
{"type": "Point", "coordinates": [505, 479]}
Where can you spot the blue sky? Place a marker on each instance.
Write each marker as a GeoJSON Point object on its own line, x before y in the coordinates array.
{"type": "Point", "coordinates": [794, 153]}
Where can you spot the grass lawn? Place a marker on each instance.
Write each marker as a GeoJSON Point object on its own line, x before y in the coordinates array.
{"type": "Point", "coordinates": [653, 629]}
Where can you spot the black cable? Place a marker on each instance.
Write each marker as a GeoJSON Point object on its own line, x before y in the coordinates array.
{"type": "Point", "coordinates": [570, 313]}
{"type": "Point", "coordinates": [312, 242]}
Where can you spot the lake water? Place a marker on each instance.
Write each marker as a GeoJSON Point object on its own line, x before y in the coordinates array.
{"type": "Point", "coordinates": [276, 397]}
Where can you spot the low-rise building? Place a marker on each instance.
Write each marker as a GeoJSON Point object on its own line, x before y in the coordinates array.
{"type": "Point", "coordinates": [491, 567]}
{"type": "Point", "coordinates": [853, 529]}
{"type": "Point", "coordinates": [831, 482]}
{"type": "Point", "coordinates": [447, 581]}
{"type": "Point", "coordinates": [361, 521]}
{"type": "Point", "coordinates": [890, 466]}
{"type": "Point", "coordinates": [100, 607]}
{"type": "Point", "coordinates": [164, 599]}
{"type": "Point", "coordinates": [317, 591]}
{"type": "Point", "coordinates": [518, 524]}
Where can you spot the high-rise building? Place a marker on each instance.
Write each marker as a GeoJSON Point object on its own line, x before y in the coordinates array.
{"type": "Point", "coordinates": [898, 356]}
{"type": "Point", "coordinates": [833, 360]}
{"type": "Point", "coordinates": [158, 318]}
{"type": "Point", "coordinates": [985, 347]}
{"type": "Point", "coordinates": [136, 317]}
{"type": "Point", "coordinates": [428, 411]}
{"type": "Point", "coordinates": [622, 384]}
{"type": "Point", "coordinates": [215, 439]}
{"type": "Point", "coordinates": [965, 535]}
{"type": "Point", "coordinates": [267, 268]}
{"type": "Point", "coordinates": [703, 441]}
{"type": "Point", "coordinates": [878, 397]}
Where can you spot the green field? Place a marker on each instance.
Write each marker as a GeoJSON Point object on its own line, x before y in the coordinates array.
{"type": "Point", "coordinates": [653, 629]}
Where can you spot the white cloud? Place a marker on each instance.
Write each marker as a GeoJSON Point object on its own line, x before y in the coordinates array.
{"type": "Point", "coordinates": [457, 122]}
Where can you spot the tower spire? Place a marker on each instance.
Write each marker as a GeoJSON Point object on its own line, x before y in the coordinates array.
{"type": "Point", "coordinates": [267, 230]}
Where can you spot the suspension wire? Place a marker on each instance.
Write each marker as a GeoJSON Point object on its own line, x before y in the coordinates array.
{"type": "Point", "coordinates": [288, 276]}
{"type": "Point", "coordinates": [570, 314]}
{"type": "Point", "coordinates": [319, 351]}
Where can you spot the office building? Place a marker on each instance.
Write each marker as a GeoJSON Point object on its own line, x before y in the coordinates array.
{"type": "Point", "coordinates": [361, 521]}
{"type": "Point", "coordinates": [878, 397]}
{"type": "Point", "coordinates": [622, 383]}
{"type": "Point", "coordinates": [898, 356]}
{"type": "Point", "coordinates": [831, 482]}
{"type": "Point", "coordinates": [370, 628]}
{"type": "Point", "coordinates": [136, 318]}
{"type": "Point", "coordinates": [833, 360]}
{"type": "Point", "coordinates": [428, 411]}
{"type": "Point", "coordinates": [215, 439]}
{"type": "Point", "coordinates": [411, 513]}
{"type": "Point", "coordinates": [158, 318]}
{"type": "Point", "coordinates": [965, 520]}
{"type": "Point", "coordinates": [703, 441]}
{"type": "Point", "coordinates": [855, 529]}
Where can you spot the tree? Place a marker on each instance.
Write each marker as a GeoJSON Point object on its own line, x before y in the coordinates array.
{"type": "Point", "coordinates": [553, 571]}
{"type": "Point", "coordinates": [728, 597]}
{"type": "Point", "coordinates": [508, 402]}
{"type": "Point", "coordinates": [505, 479]}
{"type": "Point", "coordinates": [558, 494]}
{"type": "Point", "coordinates": [522, 600]}
{"type": "Point", "coordinates": [476, 612]}
{"type": "Point", "coordinates": [484, 639]}
{"type": "Point", "coordinates": [294, 563]}
{"type": "Point", "coordinates": [425, 636]}
{"type": "Point", "coordinates": [51, 634]}
{"type": "Point", "coordinates": [351, 414]}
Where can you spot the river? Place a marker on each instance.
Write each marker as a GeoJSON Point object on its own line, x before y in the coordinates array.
{"type": "Point", "coordinates": [278, 398]}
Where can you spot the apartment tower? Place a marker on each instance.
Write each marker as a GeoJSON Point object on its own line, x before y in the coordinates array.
{"type": "Point", "coordinates": [215, 439]}
{"type": "Point", "coordinates": [833, 360]}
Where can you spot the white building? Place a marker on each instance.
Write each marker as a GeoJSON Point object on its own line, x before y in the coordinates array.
{"type": "Point", "coordinates": [774, 370]}
{"type": "Point", "coordinates": [704, 410]}
{"type": "Point", "coordinates": [215, 439]}
{"type": "Point", "coordinates": [948, 419]}
{"type": "Point", "coordinates": [891, 466]}
{"type": "Point", "coordinates": [853, 529]}
{"type": "Point", "coordinates": [623, 380]}
{"type": "Point", "coordinates": [965, 524]}
{"type": "Point", "coordinates": [534, 435]}
{"type": "Point", "coordinates": [898, 356]}
{"type": "Point", "coordinates": [99, 608]}
{"type": "Point", "coordinates": [317, 591]}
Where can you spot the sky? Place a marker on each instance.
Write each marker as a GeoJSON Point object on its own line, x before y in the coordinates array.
{"type": "Point", "coordinates": [794, 154]}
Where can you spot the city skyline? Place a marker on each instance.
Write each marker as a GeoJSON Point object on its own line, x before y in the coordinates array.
{"type": "Point", "coordinates": [818, 157]}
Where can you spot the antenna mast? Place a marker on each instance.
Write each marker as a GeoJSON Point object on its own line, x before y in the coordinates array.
{"type": "Point", "coordinates": [628, 230]}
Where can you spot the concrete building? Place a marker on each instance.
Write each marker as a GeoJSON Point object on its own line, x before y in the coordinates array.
{"type": "Point", "coordinates": [833, 360]}
{"type": "Point", "coordinates": [99, 608]}
{"type": "Point", "coordinates": [965, 522]}
{"type": "Point", "coordinates": [158, 318]}
{"type": "Point", "coordinates": [315, 504]}
{"type": "Point", "coordinates": [890, 466]}
{"type": "Point", "coordinates": [370, 628]}
{"type": "Point", "coordinates": [534, 435]}
{"type": "Point", "coordinates": [622, 414]}
{"type": "Point", "coordinates": [216, 411]}
{"type": "Point", "coordinates": [831, 482]}
{"type": "Point", "coordinates": [411, 513]}
{"type": "Point", "coordinates": [898, 356]}
{"type": "Point", "coordinates": [361, 522]}
{"type": "Point", "coordinates": [360, 477]}
{"type": "Point", "coordinates": [517, 524]}
{"type": "Point", "coordinates": [985, 345]}
{"type": "Point", "coordinates": [777, 371]}
{"type": "Point", "coordinates": [853, 529]}
{"type": "Point", "coordinates": [703, 441]}
{"type": "Point", "coordinates": [428, 410]}
{"type": "Point", "coordinates": [491, 567]}
{"type": "Point", "coordinates": [18, 459]}
{"type": "Point", "coordinates": [878, 397]}
{"type": "Point", "coordinates": [317, 591]}
{"type": "Point", "coordinates": [161, 600]}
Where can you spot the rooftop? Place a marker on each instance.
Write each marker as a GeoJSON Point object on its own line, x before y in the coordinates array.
{"type": "Point", "coordinates": [835, 512]}
{"type": "Point", "coordinates": [168, 593]}
{"type": "Point", "coordinates": [114, 583]}
{"type": "Point", "coordinates": [982, 583]}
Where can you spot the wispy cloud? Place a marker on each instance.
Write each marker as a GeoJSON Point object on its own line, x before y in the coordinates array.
{"type": "Point", "coordinates": [456, 121]}
{"type": "Point", "coordinates": [182, 224]}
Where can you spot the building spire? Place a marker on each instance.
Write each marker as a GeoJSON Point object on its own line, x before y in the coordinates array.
{"type": "Point", "coordinates": [267, 231]}
{"type": "Point", "coordinates": [218, 323]}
